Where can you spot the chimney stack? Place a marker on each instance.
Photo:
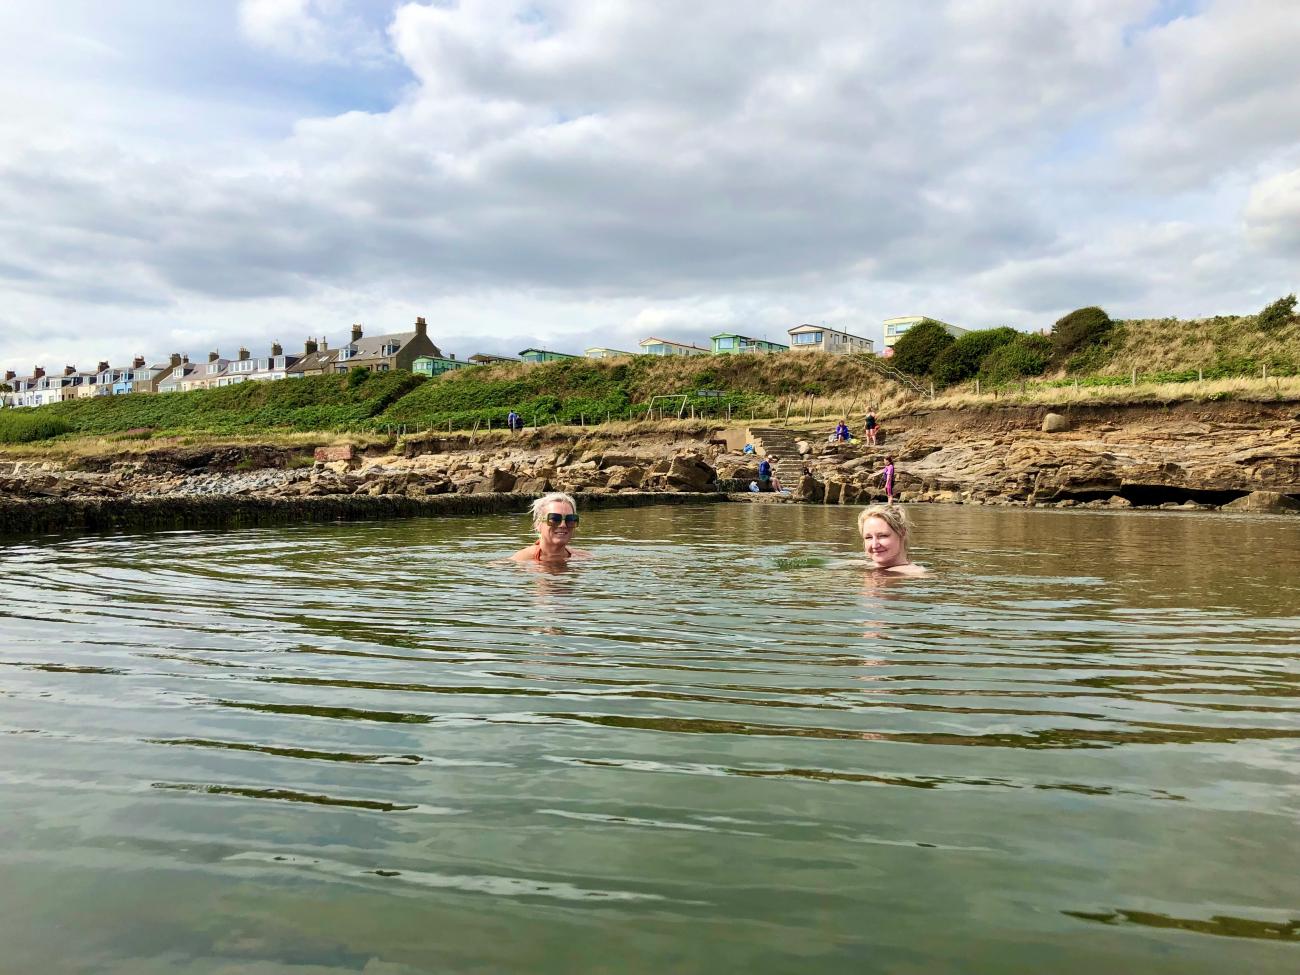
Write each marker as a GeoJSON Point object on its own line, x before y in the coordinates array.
{"type": "Point", "coordinates": [69, 370]}
{"type": "Point", "coordinates": [277, 349]}
{"type": "Point", "coordinates": [309, 347]}
{"type": "Point", "coordinates": [243, 353]}
{"type": "Point", "coordinates": [137, 362]}
{"type": "Point", "coordinates": [214, 356]}
{"type": "Point", "coordinates": [102, 367]}
{"type": "Point", "coordinates": [421, 326]}
{"type": "Point", "coordinates": [356, 331]}
{"type": "Point", "coordinates": [185, 359]}
{"type": "Point", "coordinates": [10, 374]}
{"type": "Point", "coordinates": [324, 345]}
{"type": "Point", "coordinates": [175, 359]}
{"type": "Point", "coordinates": [38, 372]}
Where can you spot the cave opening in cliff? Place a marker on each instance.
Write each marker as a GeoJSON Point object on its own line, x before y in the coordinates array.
{"type": "Point", "coordinates": [1152, 495]}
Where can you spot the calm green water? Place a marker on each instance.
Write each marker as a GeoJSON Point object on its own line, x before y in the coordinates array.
{"type": "Point", "coordinates": [370, 748]}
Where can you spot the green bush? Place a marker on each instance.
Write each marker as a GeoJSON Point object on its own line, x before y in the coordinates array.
{"type": "Point", "coordinates": [1082, 328]}
{"type": "Point", "coordinates": [1278, 315]}
{"type": "Point", "coordinates": [25, 425]}
{"type": "Point", "coordinates": [1026, 355]}
{"type": "Point", "coordinates": [919, 346]}
{"type": "Point", "coordinates": [962, 359]}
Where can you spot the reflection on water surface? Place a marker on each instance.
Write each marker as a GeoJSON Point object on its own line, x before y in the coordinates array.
{"type": "Point", "coordinates": [717, 746]}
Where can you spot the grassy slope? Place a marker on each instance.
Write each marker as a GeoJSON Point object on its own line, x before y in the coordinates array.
{"type": "Point", "coordinates": [1222, 346]}
{"type": "Point", "coordinates": [313, 403]}
{"type": "Point", "coordinates": [620, 388]}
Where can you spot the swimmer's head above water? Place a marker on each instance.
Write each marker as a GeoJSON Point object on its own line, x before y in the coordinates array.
{"type": "Point", "coordinates": [555, 519]}
{"type": "Point", "coordinates": [885, 532]}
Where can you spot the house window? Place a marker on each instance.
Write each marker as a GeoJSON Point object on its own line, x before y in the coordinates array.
{"type": "Point", "coordinates": [807, 338]}
{"type": "Point", "coordinates": [726, 343]}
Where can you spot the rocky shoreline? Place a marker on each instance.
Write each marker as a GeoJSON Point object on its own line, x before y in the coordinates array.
{"type": "Point", "coordinates": [1230, 456]}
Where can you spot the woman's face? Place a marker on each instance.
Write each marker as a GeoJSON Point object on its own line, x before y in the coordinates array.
{"type": "Point", "coordinates": [882, 544]}
{"type": "Point", "coordinates": [552, 534]}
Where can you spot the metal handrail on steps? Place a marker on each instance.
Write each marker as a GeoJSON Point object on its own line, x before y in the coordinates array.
{"type": "Point", "coordinates": [889, 372]}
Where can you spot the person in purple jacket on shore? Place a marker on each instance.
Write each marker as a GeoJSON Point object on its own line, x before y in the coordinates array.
{"type": "Point", "coordinates": [888, 472]}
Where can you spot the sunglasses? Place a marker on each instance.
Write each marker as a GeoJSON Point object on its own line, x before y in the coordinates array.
{"type": "Point", "coordinates": [555, 519]}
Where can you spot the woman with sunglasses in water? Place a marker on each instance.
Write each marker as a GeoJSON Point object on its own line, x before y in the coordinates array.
{"type": "Point", "coordinates": [555, 516]}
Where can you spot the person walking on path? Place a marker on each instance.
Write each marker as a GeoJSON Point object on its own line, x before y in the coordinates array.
{"type": "Point", "coordinates": [871, 426]}
{"type": "Point", "coordinates": [888, 472]}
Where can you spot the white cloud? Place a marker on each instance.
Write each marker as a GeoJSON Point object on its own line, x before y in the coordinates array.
{"type": "Point", "coordinates": [1273, 215]}
{"type": "Point", "coordinates": [309, 30]}
{"type": "Point", "coordinates": [571, 172]}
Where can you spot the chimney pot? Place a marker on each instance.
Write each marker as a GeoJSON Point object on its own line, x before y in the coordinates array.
{"type": "Point", "coordinates": [243, 353]}
{"type": "Point", "coordinates": [102, 367]}
{"type": "Point", "coordinates": [175, 359]}
{"type": "Point", "coordinates": [421, 326]}
{"type": "Point", "coordinates": [356, 332]}
{"type": "Point", "coordinates": [137, 362]}
{"type": "Point", "coordinates": [309, 347]}
{"type": "Point", "coordinates": [214, 356]}
{"type": "Point", "coordinates": [324, 345]}
{"type": "Point", "coordinates": [277, 349]}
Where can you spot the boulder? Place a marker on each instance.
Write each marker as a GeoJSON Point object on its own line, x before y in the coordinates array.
{"type": "Point", "coordinates": [1264, 503]}
{"type": "Point", "coordinates": [690, 472]}
{"type": "Point", "coordinates": [1055, 423]}
{"type": "Point", "coordinates": [809, 489]}
{"type": "Point", "coordinates": [533, 485]}
{"type": "Point", "coordinates": [804, 447]}
{"type": "Point", "coordinates": [329, 455]}
{"type": "Point", "coordinates": [624, 477]}
{"type": "Point", "coordinates": [496, 481]}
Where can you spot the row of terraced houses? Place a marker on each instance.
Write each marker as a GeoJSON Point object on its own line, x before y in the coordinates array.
{"type": "Point", "coordinates": [413, 351]}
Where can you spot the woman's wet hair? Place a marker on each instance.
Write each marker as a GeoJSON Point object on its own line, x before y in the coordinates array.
{"type": "Point", "coordinates": [893, 516]}
{"type": "Point", "coordinates": [539, 506]}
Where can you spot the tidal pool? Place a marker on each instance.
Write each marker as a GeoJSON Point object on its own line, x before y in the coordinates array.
{"type": "Point", "coordinates": [374, 748]}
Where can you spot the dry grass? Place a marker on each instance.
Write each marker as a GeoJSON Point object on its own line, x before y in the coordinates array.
{"type": "Point", "coordinates": [1284, 389]}
{"type": "Point", "coordinates": [1171, 344]}
{"type": "Point", "coordinates": [128, 448]}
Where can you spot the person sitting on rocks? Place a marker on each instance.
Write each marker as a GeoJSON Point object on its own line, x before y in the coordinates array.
{"type": "Point", "coordinates": [765, 474]}
{"type": "Point", "coordinates": [842, 432]}
{"type": "Point", "coordinates": [885, 531]}
{"type": "Point", "coordinates": [555, 518]}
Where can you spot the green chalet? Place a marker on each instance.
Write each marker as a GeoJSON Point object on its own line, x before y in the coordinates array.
{"type": "Point", "coordinates": [729, 343]}
{"type": "Point", "coordinates": [436, 365]}
{"type": "Point", "coordinates": [544, 355]}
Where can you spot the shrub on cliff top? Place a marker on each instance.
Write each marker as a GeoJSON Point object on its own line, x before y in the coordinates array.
{"type": "Point", "coordinates": [1278, 314]}
{"type": "Point", "coordinates": [1027, 355]}
{"type": "Point", "coordinates": [1081, 328]}
{"type": "Point", "coordinates": [962, 359]}
{"type": "Point", "coordinates": [919, 346]}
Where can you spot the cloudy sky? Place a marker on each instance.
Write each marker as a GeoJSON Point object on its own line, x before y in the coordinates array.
{"type": "Point", "coordinates": [196, 176]}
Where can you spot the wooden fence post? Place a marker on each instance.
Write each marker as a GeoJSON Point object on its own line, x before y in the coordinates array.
{"type": "Point", "coordinates": [1133, 377]}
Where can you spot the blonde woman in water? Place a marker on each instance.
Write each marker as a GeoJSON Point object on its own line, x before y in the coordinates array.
{"type": "Point", "coordinates": [885, 529]}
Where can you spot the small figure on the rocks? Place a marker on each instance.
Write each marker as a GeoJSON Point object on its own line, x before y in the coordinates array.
{"type": "Point", "coordinates": [842, 432]}
{"type": "Point", "coordinates": [871, 426]}
{"type": "Point", "coordinates": [555, 517]}
{"type": "Point", "coordinates": [888, 472]}
{"type": "Point", "coordinates": [776, 480]}
{"type": "Point", "coordinates": [765, 474]}
{"type": "Point", "coordinates": [885, 529]}
{"type": "Point", "coordinates": [514, 421]}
